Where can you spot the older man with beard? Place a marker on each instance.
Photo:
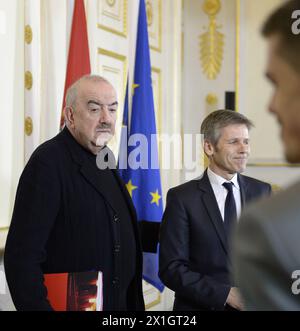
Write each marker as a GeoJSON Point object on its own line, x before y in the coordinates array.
{"type": "Point", "coordinates": [70, 216]}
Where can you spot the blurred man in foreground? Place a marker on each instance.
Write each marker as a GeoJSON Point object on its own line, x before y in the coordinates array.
{"type": "Point", "coordinates": [267, 245]}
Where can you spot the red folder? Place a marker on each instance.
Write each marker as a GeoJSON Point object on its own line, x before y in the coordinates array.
{"type": "Point", "coordinates": [75, 291]}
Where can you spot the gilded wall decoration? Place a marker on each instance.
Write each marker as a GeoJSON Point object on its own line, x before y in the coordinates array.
{"type": "Point", "coordinates": [111, 3]}
{"type": "Point", "coordinates": [28, 34]}
{"type": "Point", "coordinates": [28, 80]}
{"type": "Point", "coordinates": [149, 10]}
{"type": "Point", "coordinates": [212, 99]}
{"type": "Point", "coordinates": [212, 41]}
{"type": "Point", "coordinates": [28, 126]}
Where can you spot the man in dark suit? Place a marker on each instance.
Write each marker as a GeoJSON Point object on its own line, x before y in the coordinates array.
{"type": "Point", "coordinates": [200, 214]}
{"type": "Point", "coordinates": [69, 216]}
{"type": "Point", "coordinates": [266, 252]}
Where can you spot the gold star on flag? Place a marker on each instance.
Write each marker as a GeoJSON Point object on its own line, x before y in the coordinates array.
{"type": "Point", "coordinates": [155, 197]}
{"type": "Point", "coordinates": [134, 86]}
{"type": "Point", "coordinates": [130, 187]}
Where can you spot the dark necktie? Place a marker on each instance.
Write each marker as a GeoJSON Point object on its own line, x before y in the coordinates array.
{"type": "Point", "coordinates": [230, 214]}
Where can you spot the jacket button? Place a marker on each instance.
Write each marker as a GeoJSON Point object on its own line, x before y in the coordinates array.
{"type": "Point", "coordinates": [116, 218]}
{"type": "Point", "coordinates": [115, 281]}
{"type": "Point", "coordinates": [117, 248]}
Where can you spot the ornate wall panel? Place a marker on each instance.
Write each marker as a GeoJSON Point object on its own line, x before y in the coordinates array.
{"type": "Point", "coordinates": [112, 16]}
{"type": "Point", "coordinates": [156, 85]}
{"type": "Point", "coordinates": [154, 16]}
{"type": "Point", "coordinates": [113, 66]}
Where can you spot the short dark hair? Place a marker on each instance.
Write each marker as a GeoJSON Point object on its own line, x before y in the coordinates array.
{"type": "Point", "coordinates": [215, 121]}
{"type": "Point", "coordinates": [280, 22]}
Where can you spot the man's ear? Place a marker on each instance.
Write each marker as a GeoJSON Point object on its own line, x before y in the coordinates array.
{"type": "Point", "coordinates": [208, 148]}
{"type": "Point", "coordinates": [69, 116]}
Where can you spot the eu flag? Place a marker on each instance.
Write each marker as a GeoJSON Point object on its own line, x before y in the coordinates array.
{"type": "Point", "coordinates": [142, 176]}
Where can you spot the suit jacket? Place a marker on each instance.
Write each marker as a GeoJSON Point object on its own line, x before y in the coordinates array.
{"type": "Point", "coordinates": [266, 253]}
{"type": "Point", "coordinates": [193, 246]}
{"type": "Point", "coordinates": [66, 219]}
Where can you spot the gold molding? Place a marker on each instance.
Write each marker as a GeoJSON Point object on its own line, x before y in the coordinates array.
{"type": "Point", "coordinates": [28, 34]}
{"type": "Point", "coordinates": [211, 7]}
{"type": "Point", "coordinates": [28, 126]}
{"type": "Point", "coordinates": [237, 54]}
{"type": "Point", "coordinates": [112, 54]}
{"type": "Point", "coordinates": [273, 165]}
{"type": "Point", "coordinates": [111, 3]}
{"type": "Point", "coordinates": [119, 57]}
{"type": "Point", "coordinates": [149, 12]}
{"type": "Point", "coordinates": [159, 48]}
{"type": "Point", "coordinates": [28, 80]}
{"type": "Point", "coordinates": [211, 99]}
{"type": "Point", "coordinates": [114, 31]}
{"type": "Point", "coordinates": [159, 110]}
{"type": "Point", "coordinates": [276, 188]}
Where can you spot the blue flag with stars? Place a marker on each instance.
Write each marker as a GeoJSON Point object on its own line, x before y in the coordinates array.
{"type": "Point", "coordinates": [143, 183]}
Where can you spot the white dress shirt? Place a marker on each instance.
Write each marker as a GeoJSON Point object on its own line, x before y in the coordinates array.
{"type": "Point", "coordinates": [221, 192]}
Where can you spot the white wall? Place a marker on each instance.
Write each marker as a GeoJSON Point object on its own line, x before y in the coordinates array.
{"type": "Point", "coordinates": [11, 103]}
{"type": "Point", "coordinates": [12, 119]}
{"type": "Point", "coordinates": [267, 159]}
{"type": "Point", "coordinates": [56, 17]}
{"type": "Point", "coordinates": [254, 89]}
{"type": "Point", "coordinates": [196, 85]}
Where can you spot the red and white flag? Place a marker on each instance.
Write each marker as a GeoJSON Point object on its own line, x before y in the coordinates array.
{"type": "Point", "coordinates": [79, 55]}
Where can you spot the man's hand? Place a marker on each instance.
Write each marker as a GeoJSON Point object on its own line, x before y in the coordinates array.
{"type": "Point", "coordinates": [234, 299]}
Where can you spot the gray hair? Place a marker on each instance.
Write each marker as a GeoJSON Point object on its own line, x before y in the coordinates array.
{"type": "Point", "coordinates": [72, 91]}
{"type": "Point", "coordinates": [214, 122]}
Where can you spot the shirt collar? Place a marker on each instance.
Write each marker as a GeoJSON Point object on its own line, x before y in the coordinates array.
{"type": "Point", "coordinates": [219, 180]}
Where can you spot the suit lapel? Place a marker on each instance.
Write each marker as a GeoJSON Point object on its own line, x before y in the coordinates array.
{"type": "Point", "coordinates": [212, 208]}
{"type": "Point", "coordinates": [243, 190]}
